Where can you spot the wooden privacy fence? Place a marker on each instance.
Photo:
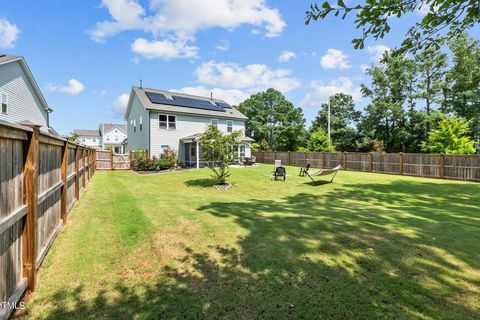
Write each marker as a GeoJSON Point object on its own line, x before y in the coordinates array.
{"type": "Point", "coordinates": [442, 166]}
{"type": "Point", "coordinates": [41, 177]}
{"type": "Point", "coordinates": [107, 160]}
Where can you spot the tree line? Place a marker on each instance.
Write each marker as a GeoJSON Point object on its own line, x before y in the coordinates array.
{"type": "Point", "coordinates": [426, 101]}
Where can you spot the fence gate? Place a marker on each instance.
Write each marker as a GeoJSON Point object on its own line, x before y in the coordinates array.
{"type": "Point", "coordinates": [108, 160]}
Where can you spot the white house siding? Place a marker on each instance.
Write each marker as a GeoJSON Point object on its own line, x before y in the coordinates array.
{"type": "Point", "coordinates": [92, 142]}
{"type": "Point", "coordinates": [139, 138]}
{"type": "Point", "coordinates": [23, 103]}
{"type": "Point", "coordinates": [186, 125]}
{"type": "Point", "coordinates": [113, 139]}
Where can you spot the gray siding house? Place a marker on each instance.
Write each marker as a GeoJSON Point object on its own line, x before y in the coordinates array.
{"type": "Point", "coordinates": [20, 97]}
{"type": "Point", "coordinates": [159, 120]}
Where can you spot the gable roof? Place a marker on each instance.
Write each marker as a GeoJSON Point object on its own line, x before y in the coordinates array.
{"type": "Point", "coordinates": [87, 133]}
{"type": "Point", "coordinates": [141, 93]}
{"type": "Point", "coordinates": [106, 127]}
{"type": "Point", "coordinates": [7, 58]}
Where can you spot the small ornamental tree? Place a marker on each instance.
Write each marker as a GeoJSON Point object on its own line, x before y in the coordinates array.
{"type": "Point", "coordinates": [218, 149]}
{"type": "Point", "coordinates": [319, 141]}
{"type": "Point", "coordinates": [451, 137]}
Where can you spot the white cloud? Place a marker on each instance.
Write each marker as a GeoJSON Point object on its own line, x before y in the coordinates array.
{"type": "Point", "coordinates": [8, 34]}
{"type": "Point", "coordinates": [223, 45]}
{"type": "Point", "coordinates": [376, 52]}
{"type": "Point", "coordinates": [74, 87]}
{"type": "Point", "coordinates": [321, 91]}
{"type": "Point", "coordinates": [253, 76]}
{"type": "Point", "coordinates": [334, 59]}
{"type": "Point", "coordinates": [232, 96]}
{"type": "Point", "coordinates": [286, 56]}
{"type": "Point", "coordinates": [164, 49]}
{"type": "Point", "coordinates": [120, 104]}
{"type": "Point", "coordinates": [179, 20]}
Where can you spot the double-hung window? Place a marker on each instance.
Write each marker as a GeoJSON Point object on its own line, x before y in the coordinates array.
{"type": "Point", "coordinates": [3, 101]}
{"type": "Point", "coordinates": [172, 122]}
{"type": "Point", "coordinates": [229, 126]}
{"type": "Point", "coordinates": [167, 121]}
{"type": "Point", "coordinates": [141, 124]}
{"type": "Point", "coordinates": [215, 123]}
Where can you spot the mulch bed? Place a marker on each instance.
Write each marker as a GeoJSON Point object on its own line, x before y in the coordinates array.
{"type": "Point", "coordinates": [161, 171]}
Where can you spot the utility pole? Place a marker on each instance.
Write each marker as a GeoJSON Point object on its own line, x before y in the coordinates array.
{"type": "Point", "coordinates": [328, 129]}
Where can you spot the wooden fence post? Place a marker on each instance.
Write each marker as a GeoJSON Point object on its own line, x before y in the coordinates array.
{"type": "Point", "coordinates": [77, 175]}
{"type": "Point", "coordinates": [94, 160]}
{"type": "Point", "coordinates": [30, 199]}
{"type": "Point", "coordinates": [111, 160]}
{"type": "Point", "coordinates": [344, 160]}
{"type": "Point", "coordinates": [401, 163]}
{"type": "Point", "coordinates": [84, 167]}
{"type": "Point", "coordinates": [289, 158]}
{"type": "Point", "coordinates": [131, 159]}
{"type": "Point", "coordinates": [63, 203]}
{"type": "Point", "coordinates": [371, 161]}
{"type": "Point", "coordinates": [442, 166]}
{"type": "Point", "coordinates": [306, 154]}
{"type": "Point", "coordinates": [323, 159]}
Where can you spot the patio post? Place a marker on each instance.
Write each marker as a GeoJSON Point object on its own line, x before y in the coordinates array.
{"type": "Point", "coordinates": [198, 155]}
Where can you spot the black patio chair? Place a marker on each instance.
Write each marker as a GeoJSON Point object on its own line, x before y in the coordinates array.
{"type": "Point", "coordinates": [280, 172]}
{"type": "Point", "coordinates": [304, 171]}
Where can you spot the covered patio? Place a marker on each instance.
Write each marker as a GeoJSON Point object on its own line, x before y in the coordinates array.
{"type": "Point", "coordinates": [193, 153]}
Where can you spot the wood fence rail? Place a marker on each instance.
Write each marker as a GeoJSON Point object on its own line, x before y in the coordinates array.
{"type": "Point", "coordinates": [441, 166]}
{"type": "Point", "coordinates": [41, 177]}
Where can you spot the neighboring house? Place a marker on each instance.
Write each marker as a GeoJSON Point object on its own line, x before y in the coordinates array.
{"type": "Point", "coordinates": [107, 137]}
{"type": "Point", "coordinates": [21, 100]}
{"type": "Point", "coordinates": [90, 138]}
{"type": "Point", "coordinates": [158, 120]}
{"type": "Point", "coordinates": [113, 136]}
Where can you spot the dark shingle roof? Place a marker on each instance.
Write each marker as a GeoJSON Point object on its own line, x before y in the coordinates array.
{"type": "Point", "coordinates": [87, 133]}
{"type": "Point", "coordinates": [229, 113]}
{"type": "Point", "coordinates": [105, 127]}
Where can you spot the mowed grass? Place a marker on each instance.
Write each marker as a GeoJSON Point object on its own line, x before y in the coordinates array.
{"type": "Point", "coordinates": [169, 246]}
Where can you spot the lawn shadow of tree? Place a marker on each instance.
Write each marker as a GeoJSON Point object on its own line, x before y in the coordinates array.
{"type": "Point", "coordinates": [366, 250]}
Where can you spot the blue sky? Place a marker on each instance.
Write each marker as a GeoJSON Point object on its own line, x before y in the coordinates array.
{"type": "Point", "coordinates": [86, 55]}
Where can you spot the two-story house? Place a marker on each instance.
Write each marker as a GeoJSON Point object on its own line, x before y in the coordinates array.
{"type": "Point", "coordinates": [113, 136]}
{"type": "Point", "coordinates": [21, 100]}
{"type": "Point", "coordinates": [107, 137]}
{"type": "Point", "coordinates": [158, 120]}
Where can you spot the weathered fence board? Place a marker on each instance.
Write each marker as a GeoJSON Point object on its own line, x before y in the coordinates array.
{"type": "Point", "coordinates": [449, 166]}
{"type": "Point", "coordinates": [33, 191]}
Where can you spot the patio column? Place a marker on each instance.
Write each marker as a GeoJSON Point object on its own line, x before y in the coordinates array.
{"type": "Point", "coordinates": [198, 155]}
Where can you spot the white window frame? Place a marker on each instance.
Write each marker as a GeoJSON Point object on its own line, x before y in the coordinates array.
{"type": "Point", "coordinates": [215, 125]}
{"type": "Point", "coordinates": [2, 102]}
{"type": "Point", "coordinates": [229, 125]}
{"type": "Point", "coordinates": [140, 124]}
{"type": "Point", "coordinates": [134, 125]}
{"type": "Point", "coordinates": [163, 148]}
{"type": "Point", "coordinates": [169, 125]}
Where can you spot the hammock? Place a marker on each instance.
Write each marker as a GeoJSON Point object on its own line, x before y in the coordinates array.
{"type": "Point", "coordinates": [324, 172]}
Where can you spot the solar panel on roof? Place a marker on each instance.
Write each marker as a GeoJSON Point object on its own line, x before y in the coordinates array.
{"type": "Point", "coordinates": [197, 103]}
{"type": "Point", "coordinates": [158, 98]}
{"type": "Point", "coordinates": [224, 105]}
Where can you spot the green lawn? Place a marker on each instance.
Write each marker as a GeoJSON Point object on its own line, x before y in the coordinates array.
{"type": "Point", "coordinates": [169, 246]}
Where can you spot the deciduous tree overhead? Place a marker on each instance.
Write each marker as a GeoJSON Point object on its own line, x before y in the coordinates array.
{"type": "Point", "coordinates": [444, 19]}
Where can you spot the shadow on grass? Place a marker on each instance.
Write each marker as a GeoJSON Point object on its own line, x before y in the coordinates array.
{"type": "Point", "coordinates": [204, 183]}
{"type": "Point", "coordinates": [400, 250]}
